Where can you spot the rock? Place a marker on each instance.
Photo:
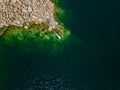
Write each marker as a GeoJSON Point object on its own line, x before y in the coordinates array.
{"type": "Point", "coordinates": [6, 1]}
{"type": "Point", "coordinates": [26, 27]}
{"type": "Point", "coordinates": [1, 1]}
{"type": "Point", "coordinates": [27, 2]}
{"type": "Point", "coordinates": [29, 9]}
{"type": "Point", "coordinates": [16, 12]}
{"type": "Point", "coordinates": [24, 10]}
{"type": "Point", "coordinates": [14, 1]}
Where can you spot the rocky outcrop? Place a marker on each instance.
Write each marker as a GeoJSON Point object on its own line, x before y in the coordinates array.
{"type": "Point", "coordinates": [17, 12]}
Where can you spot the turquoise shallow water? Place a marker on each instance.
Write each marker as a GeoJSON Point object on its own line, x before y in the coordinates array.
{"type": "Point", "coordinates": [92, 64]}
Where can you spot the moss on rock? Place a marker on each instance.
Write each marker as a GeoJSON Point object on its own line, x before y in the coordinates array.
{"type": "Point", "coordinates": [37, 35]}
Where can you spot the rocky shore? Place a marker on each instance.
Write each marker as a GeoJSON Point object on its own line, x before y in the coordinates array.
{"type": "Point", "coordinates": [17, 12]}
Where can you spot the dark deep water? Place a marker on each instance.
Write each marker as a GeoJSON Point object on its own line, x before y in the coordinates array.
{"type": "Point", "coordinates": [91, 65]}
{"type": "Point", "coordinates": [97, 22]}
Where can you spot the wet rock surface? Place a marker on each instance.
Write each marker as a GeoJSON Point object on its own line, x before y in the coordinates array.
{"type": "Point", "coordinates": [17, 12]}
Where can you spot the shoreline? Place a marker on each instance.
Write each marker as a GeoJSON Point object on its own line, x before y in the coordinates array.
{"type": "Point", "coordinates": [25, 25]}
{"type": "Point", "coordinates": [18, 12]}
{"type": "Point", "coordinates": [36, 33]}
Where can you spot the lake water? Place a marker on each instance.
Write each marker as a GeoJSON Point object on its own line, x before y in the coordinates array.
{"type": "Point", "coordinates": [92, 64]}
